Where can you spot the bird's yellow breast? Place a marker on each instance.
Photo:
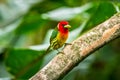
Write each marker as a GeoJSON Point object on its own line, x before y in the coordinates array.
{"type": "Point", "coordinates": [62, 37]}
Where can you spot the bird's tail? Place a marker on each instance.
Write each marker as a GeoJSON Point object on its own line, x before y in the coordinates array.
{"type": "Point", "coordinates": [48, 49]}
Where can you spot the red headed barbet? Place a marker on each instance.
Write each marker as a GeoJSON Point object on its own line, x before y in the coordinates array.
{"type": "Point", "coordinates": [59, 35]}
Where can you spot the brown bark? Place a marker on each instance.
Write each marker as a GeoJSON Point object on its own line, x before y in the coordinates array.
{"type": "Point", "coordinates": [89, 42]}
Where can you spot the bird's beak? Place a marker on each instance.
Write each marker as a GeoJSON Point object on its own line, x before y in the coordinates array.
{"type": "Point", "coordinates": [67, 26]}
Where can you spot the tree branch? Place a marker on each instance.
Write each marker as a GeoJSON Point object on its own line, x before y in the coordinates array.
{"type": "Point", "coordinates": [89, 42]}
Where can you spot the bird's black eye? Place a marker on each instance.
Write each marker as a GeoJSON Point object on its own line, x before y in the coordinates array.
{"type": "Point", "coordinates": [63, 25]}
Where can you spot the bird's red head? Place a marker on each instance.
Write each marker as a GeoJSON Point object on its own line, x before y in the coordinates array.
{"type": "Point", "coordinates": [63, 26]}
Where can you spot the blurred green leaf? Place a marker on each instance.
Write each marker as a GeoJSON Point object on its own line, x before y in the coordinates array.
{"type": "Point", "coordinates": [31, 22]}
{"type": "Point", "coordinates": [102, 11]}
{"type": "Point", "coordinates": [68, 12]}
{"type": "Point", "coordinates": [23, 63]}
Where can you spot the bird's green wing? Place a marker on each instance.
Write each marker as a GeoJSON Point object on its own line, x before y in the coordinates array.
{"type": "Point", "coordinates": [54, 34]}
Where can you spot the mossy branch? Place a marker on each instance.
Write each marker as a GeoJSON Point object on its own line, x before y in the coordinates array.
{"type": "Point", "coordinates": [89, 42]}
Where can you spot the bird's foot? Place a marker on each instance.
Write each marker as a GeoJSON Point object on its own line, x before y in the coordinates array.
{"type": "Point", "coordinates": [60, 52]}
{"type": "Point", "coordinates": [67, 44]}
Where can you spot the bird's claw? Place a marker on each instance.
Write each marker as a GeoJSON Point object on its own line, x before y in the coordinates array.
{"type": "Point", "coordinates": [60, 52]}
{"type": "Point", "coordinates": [67, 44]}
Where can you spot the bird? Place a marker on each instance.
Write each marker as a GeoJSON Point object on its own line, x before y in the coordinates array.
{"type": "Point", "coordinates": [59, 36]}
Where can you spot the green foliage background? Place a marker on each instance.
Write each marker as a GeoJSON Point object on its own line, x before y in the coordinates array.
{"type": "Point", "coordinates": [25, 37]}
